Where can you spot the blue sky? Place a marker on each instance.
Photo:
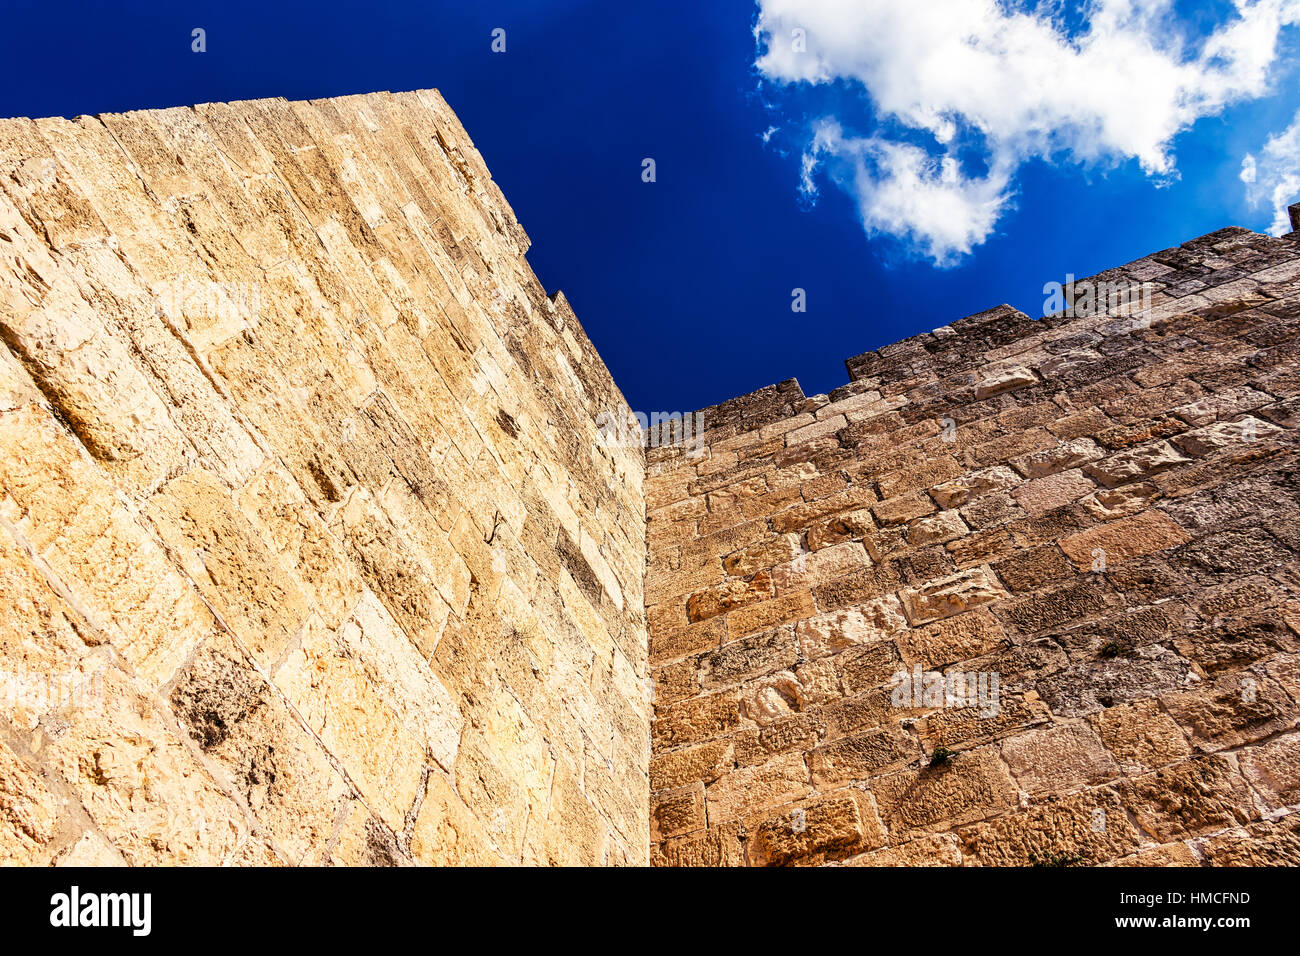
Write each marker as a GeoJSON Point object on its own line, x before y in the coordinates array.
{"type": "Point", "coordinates": [1067, 152]}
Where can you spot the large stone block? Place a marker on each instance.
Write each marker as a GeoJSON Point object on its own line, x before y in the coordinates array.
{"type": "Point", "coordinates": [951, 595]}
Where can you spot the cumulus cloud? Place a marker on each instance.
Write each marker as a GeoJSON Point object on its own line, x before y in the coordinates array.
{"type": "Point", "coordinates": [947, 77]}
{"type": "Point", "coordinates": [1273, 177]}
{"type": "Point", "coordinates": [902, 190]}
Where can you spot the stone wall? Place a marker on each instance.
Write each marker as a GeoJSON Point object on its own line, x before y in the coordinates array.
{"type": "Point", "coordinates": [1101, 511]}
{"type": "Point", "coordinates": [309, 550]}
{"type": "Point", "coordinates": [314, 547]}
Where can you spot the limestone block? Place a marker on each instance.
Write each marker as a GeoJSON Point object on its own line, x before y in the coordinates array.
{"type": "Point", "coordinates": [329, 688]}
{"type": "Point", "coordinates": [1136, 464]}
{"type": "Point", "coordinates": [229, 564]}
{"type": "Point", "coordinates": [951, 595]}
{"type": "Point", "coordinates": [1122, 540]}
{"type": "Point", "coordinates": [830, 828]}
{"type": "Point", "coordinates": [828, 633]}
{"type": "Point", "coordinates": [995, 379]}
{"type": "Point", "coordinates": [29, 812]}
{"type": "Point", "coordinates": [264, 753]}
{"type": "Point", "coordinates": [749, 789]}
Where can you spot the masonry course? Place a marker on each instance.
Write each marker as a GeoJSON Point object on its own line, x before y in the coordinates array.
{"type": "Point", "coordinates": [306, 492]}
{"type": "Point", "coordinates": [301, 479]}
{"type": "Point", "coordinates": [1099, 509]}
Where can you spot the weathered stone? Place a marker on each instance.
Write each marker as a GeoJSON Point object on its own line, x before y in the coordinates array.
{"type": "Point", "coordinates": [875, 620]}
{"type": "Point", "coordinates": [845, 527]}
{"type": "Point", "coordinates": [28, 812]}
{"type": "Point", "coordinates": [1247, 430]}
{"type": "Point", "coordinates": [1081, 829]}
{"type": "Point", "coordinates": [749, 789]}
{"type": "Point", "coordinates": [936, 529]}
{"type": "Point", "coordinates": [951, 595]}
{"type": "Point", "coordinates": [671, 643]}
{"type": "Point", "coordinates": [862, 668]}
{"type": "Point", "coordinates": [1044, 494]}
{"type": "Point", "coordinates": [1261, 844]}
{"type": "Point", "coordinates": [818, 567]}
{"type": "Point", "coordinates": [706, 762]}
{"type": "Point", "coordinates": [918, 477]}
{"type": "Point", "coordinates": [1063, 457]}
{"type": "Point", "coordinates": [940, 849]}
{"type": "Point", "coordinates": [676, 681]}
{"type": "Point", "coordinates": [1193, 797]}
{"type": "Point", "coordinates": [1273, 769]}
{"type": "Point", "coordinates": [1030, 570]}
{"type": "Point", "coordinates": [328, 685]}
{"type": "Point", "coordinates": [1135, 464]}
{"type": "Point", "coordinates": [861, 757]}
{"type": "Point", "coordinates": [699, 719]}
{"type": "Point", "coordinates": [982, 547]}
{"type": "Point", "coordinates": [969, 787]}
{"type": "Point", "coordinates": [718, 846]}
{"type": "Point", "coordinates": [1140, 736]}
{"type": "Point", "coordinates": [1054, 606]}
{"type": "Point", "coordinates": [818, 831]}
{"type": "Point", "coordinates": [1235, 709]}
{"type": "Point", "coordinates": [902, 509]}
{"type": "Point", "coordinates": [1107, 504]}
{"type": "Point", "coordinates": [446, 834]}
{"type": "Point", "coordinates": [959, 491]}
{"type": "Point", "coordinates": [953, 639]}
{"type": "Point", "coordinates": [727, 596]}
{"type": "Point", "coordinates": [1058, 759]}
{"type": "Point", "coordinates": [676, 812]}
{"type": "Point", "coordinates": [740, 660]}
{"type": "Point", "coordinates": [242, 725]}
{"type": "Point", "coordinates": [1002, 378]}
{"type": "Point", "coordinates": [1086, 688]}
{"type": "Point", "coordinates": [762, 555]}
{"type": "Point", "coordinates": [803, 515]}
{"type": "Point", "coordinates": [859, 587]}
{"type": "Point", "coordinates": [1100, 547]}
{"type": "Point", "coordinates": [983, 712]}
{"type": "Point", "coordinates": [319, 509]}
{"type": "Point", "coordinates": [756, 617]}
{"type": "Point", "coordinates": [1171, 854]}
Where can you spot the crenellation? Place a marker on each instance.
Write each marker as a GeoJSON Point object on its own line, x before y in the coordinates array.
{"type": "Point", "coordinates": [1036, 503]}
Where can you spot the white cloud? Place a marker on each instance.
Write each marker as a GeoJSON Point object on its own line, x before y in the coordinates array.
{"type": "Point", "coordinates": [1249, 170]}
{"type": "Point", "coordinates": [903, 191]}
{"type": "Point", "coordinates": [944, 75]}
{"type": "Point", "coordinates": [1275, 175]}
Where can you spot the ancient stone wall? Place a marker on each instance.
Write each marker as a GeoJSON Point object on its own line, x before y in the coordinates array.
{"type": "Point", "coordinates": [1099, 511]}
{"type": "Point", "coordinates": [315, 546]}
{"type": "Point", "coordinates": [309, 549]}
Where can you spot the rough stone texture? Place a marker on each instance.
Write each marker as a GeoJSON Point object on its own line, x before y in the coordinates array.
{"type": "Point", "coordinates": [309, 549]}
{"type": "Point", "coordinates": [313, 548]}
{"type": "Point", "coordinates": [1101, 510]}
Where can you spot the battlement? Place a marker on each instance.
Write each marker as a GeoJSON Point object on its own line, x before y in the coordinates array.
{"type": "Point", "coordinates": [977, 606]}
